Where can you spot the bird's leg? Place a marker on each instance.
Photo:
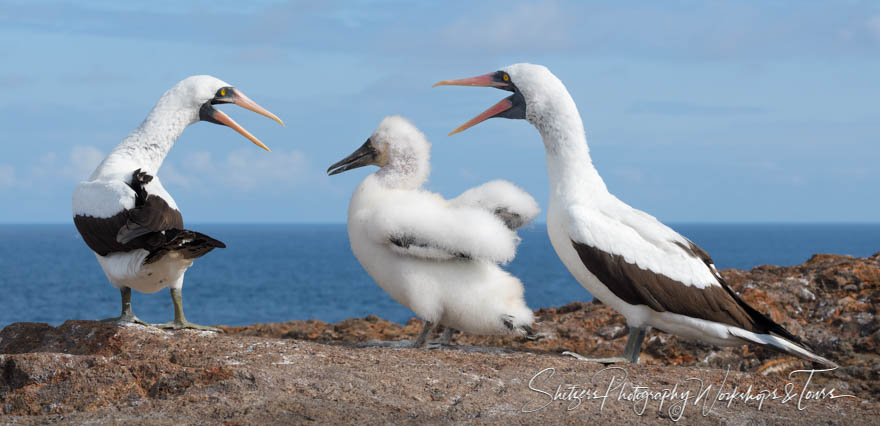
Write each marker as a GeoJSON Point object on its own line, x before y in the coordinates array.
{"type": "Point", "coordinates": [127, 314]}
{"type": "Point", "coordinates": [423, 336]}
{"type": "Point", "coordinates": [630, 353]}
{"type": "Point", "coordinates": [532, 334]}
{"type": "Point", "coordinates": [446, 337]}
{"type": "Point", "coordinates": [420, 341]}
{"type": "Point", "coordinates": [634, 344]}
{"type": "Point", "coordinates": [180, 321]}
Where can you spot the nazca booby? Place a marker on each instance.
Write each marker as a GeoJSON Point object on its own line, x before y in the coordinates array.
{"type": "Point", "coordinates": [129, 220]}
{"type": "Point", "coordinates": [624, 257]}
{"type": "Point", "coordinates": [440, 258]}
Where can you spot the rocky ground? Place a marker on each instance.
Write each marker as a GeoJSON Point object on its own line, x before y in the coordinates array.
{"type": "Point", "coordinates": [304, 371]}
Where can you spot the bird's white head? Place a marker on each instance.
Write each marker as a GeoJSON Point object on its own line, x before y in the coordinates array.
{"type": "Point", "coordinates": [194, 98]}
{"type": "Point", "coordinates": [192, 92]}
{"type": "Point", "coordinates": [538, 97]}
{"type": "Point", "coordinates": [398, 148]}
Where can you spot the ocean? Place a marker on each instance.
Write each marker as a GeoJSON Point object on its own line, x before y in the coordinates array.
{"type": "Point", "coordinates": [273, 273]}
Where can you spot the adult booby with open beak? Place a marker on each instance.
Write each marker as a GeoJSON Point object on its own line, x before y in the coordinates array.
{"type": "Point", "coordinates": [440, 258]}
{"type": "Point", "coordinates": [624, 257]}
{"type": "Point", "coordinates": [128, 219]}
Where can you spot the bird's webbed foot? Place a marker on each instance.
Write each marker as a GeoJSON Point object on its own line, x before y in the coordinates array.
{"type": "Point", "coordinates": [184, 324]}
{"type": "Point", "coordinates": [608, 360]}
{"type": "Point", "coordinates": [126, 318]}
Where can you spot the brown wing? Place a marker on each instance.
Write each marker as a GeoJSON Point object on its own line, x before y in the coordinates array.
{"type": "Point", "coordinates": [140, 227]}
{"type": "Point", "coordinates": [638, 286]}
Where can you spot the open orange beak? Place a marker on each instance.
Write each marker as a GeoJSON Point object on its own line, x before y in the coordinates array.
{"type": "Point", "coordinates": [494, 110]}
{"type": "Point", "coordinates": [501, 109]}
{"type": "Point", "coordinates": [245, 102]}
{"type": "Point", "coordinates": [485, 80]}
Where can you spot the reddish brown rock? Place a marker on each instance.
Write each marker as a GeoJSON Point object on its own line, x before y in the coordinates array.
{"type": "Point", "coordinates": [815, 300]}
{"type": "Point", "coordinates": [302, 371]}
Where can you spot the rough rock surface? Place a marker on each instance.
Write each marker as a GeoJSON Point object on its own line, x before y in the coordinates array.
{"type": "Point", "coordinates": [84, 371]}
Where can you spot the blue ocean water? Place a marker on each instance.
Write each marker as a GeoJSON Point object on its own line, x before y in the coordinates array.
{"type": "Point", "coordinates": [272, 273]}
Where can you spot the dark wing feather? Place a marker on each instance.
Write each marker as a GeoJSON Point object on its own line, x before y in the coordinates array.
{"type": "Point", "coordinates": [150, 213]}
{"type": "Point", "coordinates": [638, 286]}
{"type": "Point", "coordinates": [141, 227]}
{"type": "Point", "coordinates": [406, 241]}
{"type": "Point", "coordinates": [511, 219]}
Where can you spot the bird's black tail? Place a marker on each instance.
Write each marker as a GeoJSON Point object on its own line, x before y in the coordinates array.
{"type": "Point", "coordinates": [190, 244]}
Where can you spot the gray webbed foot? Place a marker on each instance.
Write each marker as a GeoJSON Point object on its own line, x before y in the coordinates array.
{"type": "Point", "coordinates": [128, 318]}
{"type": "Point", "coordinates": [396, 344]}
{"type": "Point", "coordinates": [127, 315]}
{"type": "Point", "coordinates": [180, 321]}
{"type": "Point", "coordinates": [609, 360]}
{"type": "Point", "coordinates": [184, 324]}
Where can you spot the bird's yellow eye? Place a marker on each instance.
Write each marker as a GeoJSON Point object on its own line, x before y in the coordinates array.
{"type": "Point", "coordinates": [506, 77]}
{"type": "Point", "coordinates": [222, 92]}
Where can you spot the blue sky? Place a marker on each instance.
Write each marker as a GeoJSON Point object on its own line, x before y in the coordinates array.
{"type": "Point", "coordinates": [695, 111]}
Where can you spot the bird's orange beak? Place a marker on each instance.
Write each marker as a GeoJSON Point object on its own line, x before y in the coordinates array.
{"type": "Point", "coordinates": [245, 102]}
{"type": "Point", "coordinates": [501, 106]}
{"type": "Point", "coordinates": [485, 80]}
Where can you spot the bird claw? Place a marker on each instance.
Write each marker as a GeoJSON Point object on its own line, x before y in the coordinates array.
{"type": "Point", "coordinates": [127, 319]}
{"type": "Point", "coordinates": [609, 360]}
{"type": "Point", "coordinates": [180, 325]}
{"type": "Point", "coordinates": [536, 336]}
{"type": "Point", "coordinates": [398, 344]}
{"type": "Point", "coordinates": [433, 345]}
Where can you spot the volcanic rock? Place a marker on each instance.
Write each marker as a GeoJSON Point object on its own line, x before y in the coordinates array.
{"type": "Point", "coordinates": [298, 371]}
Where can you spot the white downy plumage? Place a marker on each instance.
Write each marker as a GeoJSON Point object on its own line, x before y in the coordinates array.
{"type": "Point", "coordinates": [629, 243]}
{"type": "Point", "coordinates": [437, 257]}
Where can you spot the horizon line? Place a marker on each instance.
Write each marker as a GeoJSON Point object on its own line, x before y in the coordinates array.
{"type": "Point", "coordinates": [673, 222]}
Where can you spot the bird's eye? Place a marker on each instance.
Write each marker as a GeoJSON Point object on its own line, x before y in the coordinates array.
{"type": "Point", "coordinates": [505, 77]}
{"type": "Point", "coordinates": [223, 92]}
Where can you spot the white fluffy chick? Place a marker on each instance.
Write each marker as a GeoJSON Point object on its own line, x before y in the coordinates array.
{"type": "Point", "coordinates": [440, 258]}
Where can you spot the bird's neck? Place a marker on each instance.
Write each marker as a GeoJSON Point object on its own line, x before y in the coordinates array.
{"type": "Point", "coordinates": [147, 145]}
{"type": "Point", "coordinates": [407, 170]}
{"type": "Point", "coordinates": [400, 179]}
{"type": "Point", "coordinates": [572, 176]}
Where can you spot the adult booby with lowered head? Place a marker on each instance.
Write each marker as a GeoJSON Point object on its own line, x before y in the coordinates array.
{"type": "Point", "coordinates": [128, 219]}
{"type": "Point", "coordinates": [624, 257]}
{"type": "Point", "coordinates": [440, 258]}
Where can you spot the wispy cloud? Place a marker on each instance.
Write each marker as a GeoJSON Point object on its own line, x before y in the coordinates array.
{"type": "Point", "coordinates": [241, 171]}
{"type": "Point", "coordinates": [512, 28]}
{"type": "Point", "coordinates": [7, 175]}
{"type": "Point", "coordinates": [688, 108]}
{"type": "Point", "coordinates": [16, 79]}
{"type": "Point", "coordinates": [873, 26]}
{"type": "Point", "coordinates": [79, 163]}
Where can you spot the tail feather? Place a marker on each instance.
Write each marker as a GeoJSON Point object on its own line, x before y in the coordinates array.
{"type": "Point", "coordinates": [190, 244]}
{"type": "Point", "coordinates": [782, 344]}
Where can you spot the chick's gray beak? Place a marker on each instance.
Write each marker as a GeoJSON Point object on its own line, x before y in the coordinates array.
{"type": "Point", "coordinates": [364, 156]}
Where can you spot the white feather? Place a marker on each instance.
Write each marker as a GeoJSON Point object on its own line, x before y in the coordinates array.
{"type": "Point", "coordinates": [429, 277]}
{"type": "Point", "coordinates": [102, 198]}
{"type": "Point", "coordinates": [500, 194]}
{"type": "Point", "coordinates": [430, 219]}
